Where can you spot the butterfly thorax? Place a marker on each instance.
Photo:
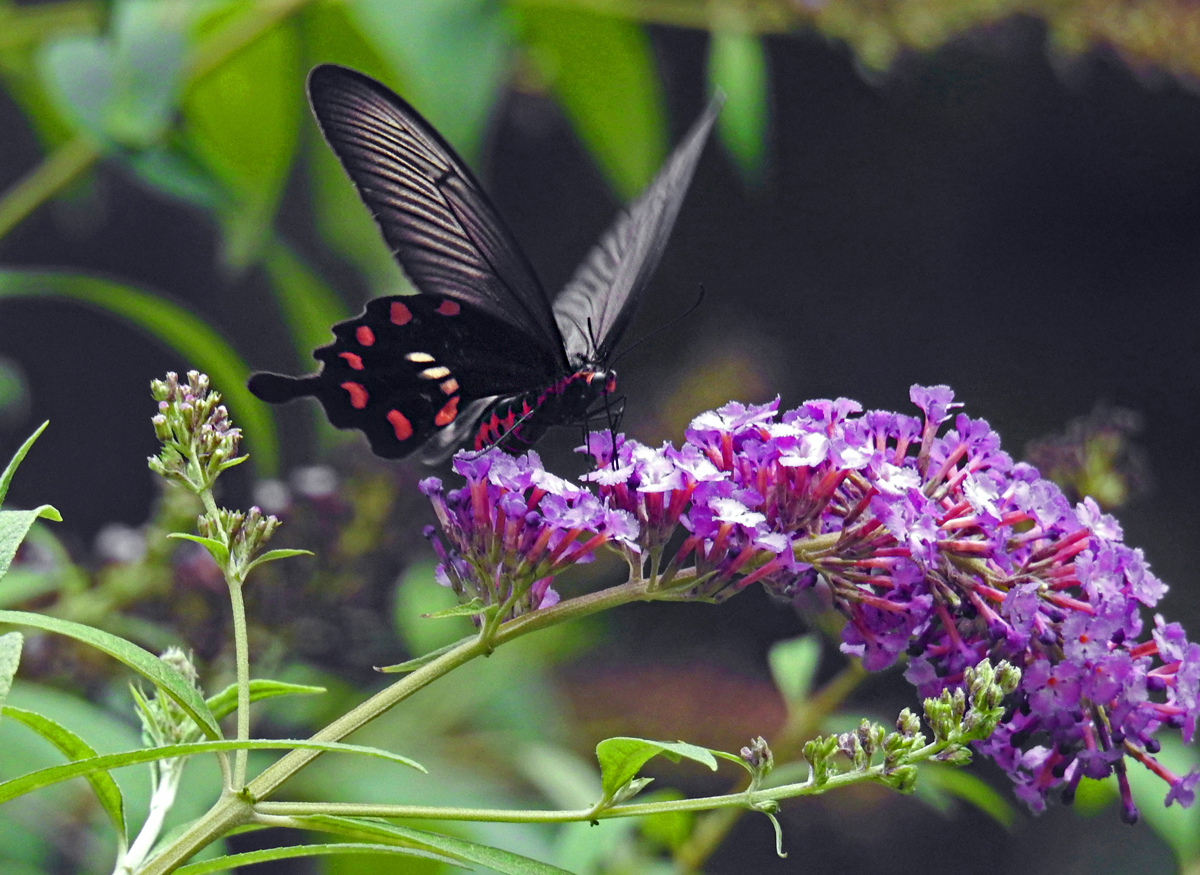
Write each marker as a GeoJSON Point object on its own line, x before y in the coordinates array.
{"type": "Point", "coordinates": [522, 419]}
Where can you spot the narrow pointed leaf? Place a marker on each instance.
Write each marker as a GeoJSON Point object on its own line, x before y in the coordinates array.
{"type": "Point", "coordinates": [794, 665]}
{"type": "Point", "coordinates": [272, 555]}
{"type": "Point", "coordinates": [142, 661]}
{"type": "Point", "coordinates": [505, 862]}
{"type": "Point", "coordinates": [14, 524]}
{"type": "Point", "coordinates": [18, 456]}
{"type": "Point", "coordinates": [414, 664]}
{"type": "Point", "coordinates": [224, 703]}
{"type": "Point", "coordinates": [218, 551]}
{"type": "Point", "coordinates": [230, 862]}
{"type": "Point", "coordinates": [75, 748]}
{"type": "Point", "coordinates": [57, 774]}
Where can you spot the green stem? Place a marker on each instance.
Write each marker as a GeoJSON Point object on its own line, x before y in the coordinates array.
{"type": "Point", "coordinates": [241, 648]}
{"type": "Point", "coordinates": [235, 810]}
{"type": "Point", "coordinates": [58, 170]}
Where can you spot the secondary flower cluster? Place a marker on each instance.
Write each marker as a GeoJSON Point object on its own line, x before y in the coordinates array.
{"type": "Point", "coordinates": [513, 527]}
{"type": "Point", "coordinates": [934, 545]}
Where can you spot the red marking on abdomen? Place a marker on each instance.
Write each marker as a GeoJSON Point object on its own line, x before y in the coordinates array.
{"type": "Point", "coordinates": [448, 308]}
{"type": "Point", "coordinates": [446, 415]}
{"type": "Point", "coordinates": [354, 361]}
{"type": "Point", "coordinates": [364, 335]}
{"type": "Point", "coordinates": [400, 314]}
{"type": "Point", "coordinates": [358, 395]}
{"type": "Point", "coordinates": [400, 425]}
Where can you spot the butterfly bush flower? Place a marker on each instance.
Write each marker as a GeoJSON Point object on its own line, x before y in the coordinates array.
{"type": "Point", "coordinates": [930, 541]}
{"type": "Point", "coordinates": [513, 526]}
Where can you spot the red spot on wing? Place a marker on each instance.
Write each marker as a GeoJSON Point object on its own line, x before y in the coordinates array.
{"type": "Point", "coordinates": [358, 395]}
{"type": "Point", "coordinates": [446, 415]}
{"type": "Point", "coordinates": [448, 308]}
{"type": "Point", "coordinates": [400, 425]}
{"type": "Point", "coordinates": [354, 361]}
{"type": "Point", "coordinates": [400, 314]}
{"type": "Point", "coordinates": [525, 408]}
{"type": "Point", "coordinates": [364, 335]}
{"type": "Point", "coordinates": [449, 387]}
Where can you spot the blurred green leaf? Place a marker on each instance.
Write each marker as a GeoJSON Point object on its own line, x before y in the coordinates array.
{"type": "Point", "coordinates": [180, 330]}
{"type": "Point", "coordinates": [940, 783]}
{"type": "Point", "coordinates": [308, 305]}
{"type": "Point", "coordinates": [601, 69]}
{"type": "Point", "coordinates": [291, 852]}
{"type": "Point", "coordinates": [13, 526]}
{"type": "Point", "coordinates": [794, 666]}
{"type": "Point", "coordinates": [14, 393]}
{"type": "Point", "coordinates": [452, 57]}
{"type": "Point", "coordinates": [122, 88]}
{"type": "Point", "coordinates": [1177, 826]}
{"type": "Point", "coordinates": [75, 748]}
{"type": "Point", "coordinates": [331, 35]}
{"type": "Point", "coordinates": [737, 64]}
{"type": "Point", "coordinates": [11, 468]}
{"type": "Point", "coordinates": [142, 661]}
{"type": "Point", "coordinates": [241, 119]}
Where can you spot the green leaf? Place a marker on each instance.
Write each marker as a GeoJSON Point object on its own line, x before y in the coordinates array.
{"type": "Point", "coordinates": [467, 609]}
{"type": "Point", "coordinates": [224, 703]}
{"type": "Point", "coordinates": [18, 457]}
{"type": "Point", "coordinates": [122, 88]}
{"type": "Point", "coordinates": [218, 551]}
{"type": "Point", "coordinates": [737, 65]}
{"type": "Point", "coordinates": [330, 35]}
{"type": "Point", "coordinates": [272, 555]}
{"type": "Point", "coordinates": [622, 758]}
{"type": "Point", "coordinates": [142, 661]}
{"type": "Point", "coordinates": [601, 69]}
{"type": "Point", "coordinates": [242, 121]}
{"type": "Point", "coordinates": [75, 748]}
{"type": "Point", "coordinates": [57, 774]}
{"type": "Point", "coordinates": [229, 862]}
{"type": "Point", "coordinates": [939, 783]}
{"type": "Point", "coordinates": [794, 666]}
{"type": "Point", "coordinates": [414, 664]}
{"type": "Point", "coordinates": [51, 574]}
{"type": "Point", "coordinates": [10, 658]}
{"type": "Point", "coordinates": [453, 56]}
{"type": "Point", "coordinates": [178, 328]}
{"type": "Point", "coordinates": [461, 850]}
{"type": "Point", "coordinates": [13, 526]}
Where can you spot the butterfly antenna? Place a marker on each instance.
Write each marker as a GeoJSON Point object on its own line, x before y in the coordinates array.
{"type": "Point", "coordinates": [660, 329]}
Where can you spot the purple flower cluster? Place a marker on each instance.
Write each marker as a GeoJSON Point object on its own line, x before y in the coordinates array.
{"type": "Point", "coordinates": [512, 527]}
{"type": "Point", "coordinates": [934, 545]}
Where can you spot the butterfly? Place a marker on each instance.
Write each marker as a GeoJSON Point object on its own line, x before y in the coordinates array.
{"type": "Point", "coordinates": [480, 356]}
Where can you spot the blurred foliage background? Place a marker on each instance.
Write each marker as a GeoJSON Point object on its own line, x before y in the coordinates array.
{"type": "Point", "coordinates": [1002, 196]}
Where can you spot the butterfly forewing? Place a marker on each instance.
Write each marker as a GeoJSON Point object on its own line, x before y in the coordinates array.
{"type": "Point", "coordinates": [433, 214]}
{"type": "Point", "coordinates": [479, 354]}
{"type": "Point", "coordinates": [595, 307]}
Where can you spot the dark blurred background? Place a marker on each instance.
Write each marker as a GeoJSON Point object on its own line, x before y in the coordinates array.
{"type": "Point", "coordinates": [1021, 224]}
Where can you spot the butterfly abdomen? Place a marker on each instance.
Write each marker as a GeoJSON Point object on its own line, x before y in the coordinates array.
{"type": "Point", "coordinates": [521, 420]}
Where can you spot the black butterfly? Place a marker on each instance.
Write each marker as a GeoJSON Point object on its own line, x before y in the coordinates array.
{"type": "Point", "coordinates": [480, 350]}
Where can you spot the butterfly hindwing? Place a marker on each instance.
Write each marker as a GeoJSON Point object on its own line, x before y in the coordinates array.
{"type": "Point", "coordinates": [432, 212]}
{"type": "Point", "coordinates": [409, 366]}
